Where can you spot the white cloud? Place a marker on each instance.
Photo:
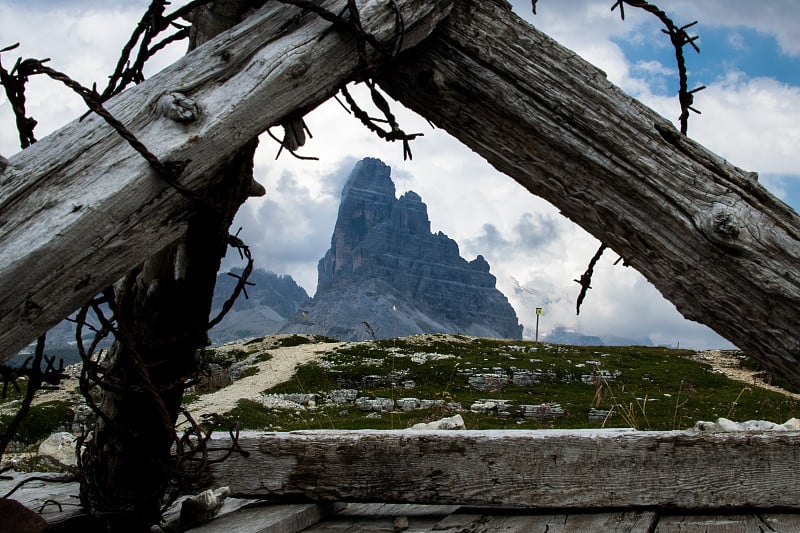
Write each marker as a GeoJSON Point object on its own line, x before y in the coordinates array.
{"type": "Point", "coordinates": [82, 43]}
{"type": "Point", "coordinates": [776, 17]}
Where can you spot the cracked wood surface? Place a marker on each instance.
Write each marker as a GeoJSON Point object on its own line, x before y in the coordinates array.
{"type": "Point", "coordinates": [555, 469]}
{"type": "Point", "coordinates": [80, 207]}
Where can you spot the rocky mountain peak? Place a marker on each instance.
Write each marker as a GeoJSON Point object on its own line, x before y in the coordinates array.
{"type": "Point", "coordinates": [386, 268]}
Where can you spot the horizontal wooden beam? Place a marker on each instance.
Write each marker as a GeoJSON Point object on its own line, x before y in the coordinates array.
{"type": "Point", "coordinates": [713, 241]}
{"type": "Point", "coordinates": [543, 469]}
{"type": "Point", "coordinates": [80, 207]}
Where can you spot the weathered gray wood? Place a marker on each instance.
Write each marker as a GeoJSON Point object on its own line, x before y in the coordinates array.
{"type": "Point", "coordinates": [705, 233]}
{"type": "Point", "coordinates": [44, 495]}
{"type": "Point", "coordinates": [520, 522]}
{"type": "Point", "coordinates": [783, 522]}
{"type": "Point", "coordinates": [543, 469]}
{"type": "Point", "coordinates": [80, 207]}
{"type": "Point", "coordinates": [285, 518]}
{"type": "Point", "coordinates": [735, 523]}
{"type": "Point", "coordinates": [371, 517]}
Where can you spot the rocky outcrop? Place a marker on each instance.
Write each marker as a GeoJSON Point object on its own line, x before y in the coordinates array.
{"type": "Point", "coordinates": [271, 300]}
{"type": "Point", "coordinates": [387, 275]}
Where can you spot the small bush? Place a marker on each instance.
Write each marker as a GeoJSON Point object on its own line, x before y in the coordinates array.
{"type": "Point", "coordinates": [250, 371]}
{"type": "Point", "coordinates": [294, 340]}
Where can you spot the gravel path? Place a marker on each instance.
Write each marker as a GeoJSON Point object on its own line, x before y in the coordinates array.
{"type": "Point", "coordinates": [729, 365]}
{"type": "Point", "coordinates": [280, 368]}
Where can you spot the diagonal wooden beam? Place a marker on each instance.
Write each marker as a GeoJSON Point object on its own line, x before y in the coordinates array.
{"type": "Point", "coordinates": [80, 207]}
{"type": "Point", "coordinates": [712, 240]}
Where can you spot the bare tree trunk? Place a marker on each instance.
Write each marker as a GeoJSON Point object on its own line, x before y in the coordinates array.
{"type": "Point", "coordinates": [705, 233]}
{"type": "Point", "coordinates": [163, 310]}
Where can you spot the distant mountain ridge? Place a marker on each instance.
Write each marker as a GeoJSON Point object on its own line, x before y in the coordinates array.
{"type": "Point", "coordinates": [387, 275]}
{"type": "Point", "coordinates": [270, 302]}
{"type": "Point", "coordinates": [562, 335]}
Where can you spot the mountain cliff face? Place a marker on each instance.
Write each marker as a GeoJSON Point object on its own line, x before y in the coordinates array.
{"type": "Point", "coordinates": [386, 274]}
{"type": "Point", "coordinates": [270, 302]}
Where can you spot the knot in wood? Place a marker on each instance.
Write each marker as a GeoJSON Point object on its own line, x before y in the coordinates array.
{"type": "Point", "coordinates": [31, 310]}
{"type": "Point", "coordinates": [178, 107]}
{"type": "Point", "coordinates": [724, 223]}
{"type": "Point", "coordinates": [298, 69]}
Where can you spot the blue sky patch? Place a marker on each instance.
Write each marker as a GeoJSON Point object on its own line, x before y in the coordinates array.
{"type": "Point", "coordinates": [722, 50]}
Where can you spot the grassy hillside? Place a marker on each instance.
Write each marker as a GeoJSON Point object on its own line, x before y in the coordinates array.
{"type": "Point", "coordinates": [641, 387]}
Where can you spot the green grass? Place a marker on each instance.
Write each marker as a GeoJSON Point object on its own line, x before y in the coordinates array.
{"type": "Point", "coordinates": [657, 388]}
{"type": "Point", "coordinates": [41, 421]}
{"type": "Point", "coordinates": [297, 340]}
{"type": "Point", "coordinates": [224, 358]}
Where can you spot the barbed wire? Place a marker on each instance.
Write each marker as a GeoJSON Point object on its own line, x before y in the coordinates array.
{"type": "Point", "coordinates": [679, 39]}
{"type": "Point", "coordinates": [349, 20]}
{"type": "Point", "coordinates": [585, 280]}
{"type": "Point", "coordinates": [241, 286]}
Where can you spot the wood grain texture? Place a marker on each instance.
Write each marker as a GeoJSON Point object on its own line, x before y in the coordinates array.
{"type": "Point", "coordinates": [373, 517]}
{"type": "Point", "coordinates": [281, 518]}
{"type": "Point", "coordinates": [542, 469]}
{"type": "Point", "coordinates": [712, 524]}
{"type": "Point", "coordinates": [80, 207]}
{"type": "Point", "coordinates": [705, 233]}
{"type": "Point", "coordinates": [520, 522]}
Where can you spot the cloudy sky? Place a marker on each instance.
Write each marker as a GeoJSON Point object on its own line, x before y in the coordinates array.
{"type": "Point", "coordinates": [749, 60]}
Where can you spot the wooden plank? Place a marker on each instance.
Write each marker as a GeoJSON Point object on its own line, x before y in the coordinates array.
{"type": "Point", "coordinates": [44, 496]}
{"type": "Point", "coordinates": [372, 517]}
{"type": "Point", "coordinates": [80, 207]}
{"type": "Point", "coordinates": [543, 469]}
{"type": "Point", "coordinates": [705, 233]}
{"type": "Point", "coordinates": [734, 523]}
{"type": "Point", "coordinates": [281, 518]}
{"type": "Point", "coordinates": [620, 522]}
{"type": "Point", "coordinates": [783, 522]}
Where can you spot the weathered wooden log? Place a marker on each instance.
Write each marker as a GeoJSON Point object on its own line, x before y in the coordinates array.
{"type": "Point", "coordinates": [705, 233]}
{"type": "Point", "coordinates": [550, 468]}
{"type": "Point", "coordinates": [80, 207]}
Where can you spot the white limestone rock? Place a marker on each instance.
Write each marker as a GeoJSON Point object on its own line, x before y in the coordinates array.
{"type": "Point", "coordinates": [725, 425]}
{"type": "Point", "coordinates": [60, 447]}
{"type": "Point", "coordinates": [452, 422]}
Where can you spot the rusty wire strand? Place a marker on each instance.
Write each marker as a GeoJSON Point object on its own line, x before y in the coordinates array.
{"type": "Point", "coordinates": [152, 23]}
{"type": "Point", "coordinates": [585, 280]}
{"type": "Point", "coordinates": [349, 20]}
{"type": "Point", "coordinates": [394, 133]}
{"type": "Point", "coordinates": [244, 253]}
{"type": "Point", "coordinates": [37, 377]}
{"type": "Point", "coordinates": [58, 479]}
{"type": "Point", "coordinates": [679, 39]}
{"type": "Point", "coordinates": [14, 85]}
